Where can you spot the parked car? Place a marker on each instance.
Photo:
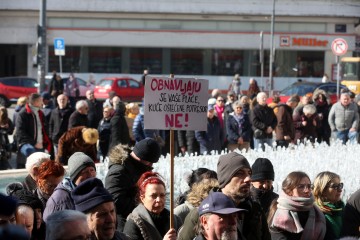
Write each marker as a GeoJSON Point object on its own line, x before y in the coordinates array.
{"type": "Point", "coordinates": [303, 88]}
{"type": "Point", "coordinates": [82, 83]}
{"type": "Point", "coordinates": [128, 89]}
{"type": "Point", "coordinates": [11, 88]}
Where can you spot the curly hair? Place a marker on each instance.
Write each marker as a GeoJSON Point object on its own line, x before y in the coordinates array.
{"type": "Point", "coordinates": [200, 191]}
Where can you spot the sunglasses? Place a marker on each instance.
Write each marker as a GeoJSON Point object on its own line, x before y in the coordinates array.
{"type": "Point", "coordinates": [337, 187]}
{"type": "Point", "coordinates": [305, 186]}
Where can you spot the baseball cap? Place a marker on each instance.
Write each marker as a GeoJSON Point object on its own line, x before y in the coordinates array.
{"type": "Point", "coordinates": [217, 202]}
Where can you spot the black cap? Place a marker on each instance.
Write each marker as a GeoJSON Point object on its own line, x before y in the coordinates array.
{"type": "Point", "coordinates": [262, 169]}
{"type": "Point", "coordinates": [147, 149]}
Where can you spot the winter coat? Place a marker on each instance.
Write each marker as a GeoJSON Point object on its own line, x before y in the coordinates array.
{"type": "Point", "coordinates": [56, 87]}
{"type": "Point", "coordinates": [138, 130]}
{"type": "Point", "coordinates": [120, 181]}
{"type": "Point", "coordinates": [119, 129]}
{"type": "Point", "coordinates": [59, 121]}
{"type": "Point", "coordinates": [70, 86]}
{"type": "Point", "coordinates": [351, 216]}
{"type": "Point", "coordinates": [323, 129]}
{"type": "Point", "coordinates": [301, 131]}
{"type": "Point", "coordinates": [104, 130]}
{"type": "Point", "coordinates": [183, 210]}
{"type": "Point", "coordinates": [29, 183]}
{"type": "Point", "coordinates": [140, 224]}
{"type": "Point", "coordinates": [71, 142]}
{"type": "Point", "coordinates": [26, 128]}
{"type": "Point", "coordinates": [212, 139]}
{"type": "Point", "coordinates": [262, 117]}
{"type": "Point", "coordinates": [285, 126]}
{"type": "Point", "coordinates": [343, 118]}
{"type": "Point", "coordinates": [264, 198]}
{"type": "Point", "coordinates": [234, 132]}
{"type": "Point", "coordinates": [95, 113]}
{"type": "Point", "coordinates": [187, 139]}
{"type": "Point", "coordinates": [60, 199]}
{"type": "Point", "coordinates": [77, 119]}
{"type": "Point", "coordinates": [254, 225]}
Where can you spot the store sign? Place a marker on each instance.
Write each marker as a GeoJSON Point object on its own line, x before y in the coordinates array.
{"type": "Point", "coordinates": [286, 41]}
{"type": "Point", "coordinates": [175, 103]}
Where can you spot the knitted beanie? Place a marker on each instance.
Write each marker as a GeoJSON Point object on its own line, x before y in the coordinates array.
{"type": "Point", "coordinates": [228, 165]}
{"type": "Point", "coordinates": [89, 194]}
{"type": "Point", "coordinates": [77, 162]}
{"type": "Point", "coordinates": [7, 205]}
{"type": "Point", "coordinates": [147, 149]}
{"type": "Point", "coordinates": [262, 169]}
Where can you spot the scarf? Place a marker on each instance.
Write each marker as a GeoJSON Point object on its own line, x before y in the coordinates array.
{"type": "Point", "coordinates": [286, 217]}
{"type": "Point", "coordinates": [219, 114]}
{"type": "Point", "coordinates": [333, 214]}
{"type": "Point", "coordinates": [240, 120]}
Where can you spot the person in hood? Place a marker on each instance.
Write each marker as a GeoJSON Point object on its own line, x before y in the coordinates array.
{"type": "Point", "coordinates": [126, 167]}
{"type": "Point", "coordinates": [119, 128]}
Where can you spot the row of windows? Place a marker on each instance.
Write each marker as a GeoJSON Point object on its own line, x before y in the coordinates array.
{"type": "Point", "coordinates": [220, 62]}
{"type": "Point", "coordinates": [230, 26]}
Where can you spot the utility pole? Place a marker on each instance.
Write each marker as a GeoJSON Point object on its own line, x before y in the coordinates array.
{"type": "Point", "coordinates": [271, 60]}
{"type": "Point", "coordinates": [41, 46]}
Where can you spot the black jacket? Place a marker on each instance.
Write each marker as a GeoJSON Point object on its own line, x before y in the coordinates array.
{"type": "Point", "coordinates": [94, 114]}
{"type": "Point", "coordinates": [233, 131]}
{"type": "Point", "coordinates": [187, 139]}
{"type": "Point", "coordinates": [351, 216]}
{"type": "Point", "coordinates": [119, 129]}
{"type": "Point", "coordinates": [121, 180]}
{"type": "Point", "coordinates": [262, 117]}
{"type": "Point", "coordinates": [77, 119]}
{"type": "Point", "coordinates": [59, 121]}
{"type": "Point", "coordinates": [264, 198]}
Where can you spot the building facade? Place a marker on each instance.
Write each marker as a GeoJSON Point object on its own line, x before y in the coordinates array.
{"type": "Point", "coordinates": [205, 38]}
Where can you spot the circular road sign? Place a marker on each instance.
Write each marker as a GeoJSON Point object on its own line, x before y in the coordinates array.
{"type": "Point", "coordinates": [339, 46]}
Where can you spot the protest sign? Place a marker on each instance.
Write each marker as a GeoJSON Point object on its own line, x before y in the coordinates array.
{"type": "Point", "coordinates": [175, 103]}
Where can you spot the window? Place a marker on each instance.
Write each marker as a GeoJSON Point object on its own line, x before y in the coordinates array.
{"type": "Point", "coordinates": [133, 84]}
{"type": "Point", "coordinates": [11, 82]}
{"type": "Point", "coordinates": [146, 58]}
{"type": "Point", "coordinates": [227, 62]}
{"type": "Point", "coordinates": [30, 83]}
{"type": "Point", "coordinates": [106, 83]}
{"type": "Point", "coordinates": [186, 61]}
{"type": "Point", "coordinates": [122, 83]}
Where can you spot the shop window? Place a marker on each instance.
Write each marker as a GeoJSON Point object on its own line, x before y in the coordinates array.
{"type": "Point", "coordinates": [104, 59]}
{"type": "Point", "coordinates": [187, 61]}
{"type": "Point", "coordinates": [227, 62]}
{"type": "Point", "coordinates": [146, 58]}
{"type": "Point", "coordinates": [70, 62]}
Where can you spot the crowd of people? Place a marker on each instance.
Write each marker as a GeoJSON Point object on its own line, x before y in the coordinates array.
{"type": "Point", "coordinates": [55, 129]}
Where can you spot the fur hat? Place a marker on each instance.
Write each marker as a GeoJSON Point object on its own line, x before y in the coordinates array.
{"type": "Point", "coordinates": [262, 169]}
{"type": "Point", "coordinates": [90, 135]}
{"type": "Point", "coordinates": [89, 194]}
{"type": "Point", "coordinates": [77, 162]}
{"type": "Point", "coordinates": [147, 149]}
{"type": "Point", "coordinates": [228, 165]}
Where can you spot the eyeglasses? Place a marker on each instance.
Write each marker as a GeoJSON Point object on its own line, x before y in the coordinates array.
{"type": "Point", "coordinates": [220, 100]}
{"type": "Point", "coordinates": [337, 187]}
{"type": "Point", "coordinates": [302, 187]}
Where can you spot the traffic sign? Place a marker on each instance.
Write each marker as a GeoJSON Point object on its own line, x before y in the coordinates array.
{"type": "Point", "coordinates": [59, 46]}
{"type": "Point", "coordinates": [339, 46]}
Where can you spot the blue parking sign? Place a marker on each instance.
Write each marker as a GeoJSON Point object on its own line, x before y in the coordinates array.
{"type": "Point", "coordinates": [59, 46]}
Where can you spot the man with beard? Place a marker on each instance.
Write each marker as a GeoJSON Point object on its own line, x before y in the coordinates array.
{"type": "Point", "coordinates": [218, 218]}
{"type": "Point", "coordinates": [234, 177]}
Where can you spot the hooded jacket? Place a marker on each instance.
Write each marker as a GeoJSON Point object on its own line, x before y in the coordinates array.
{"type": "Point", "coordinates": [120, 181]}
{"type": "Point", "coordinates": [119, 129]}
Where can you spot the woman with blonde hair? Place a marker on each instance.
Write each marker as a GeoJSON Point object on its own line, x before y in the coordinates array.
{"type": "Point", "coordinates": [294, 215]}
{"type": "Point", "coordinates": [199, 191]}
{"type": "Point", "coordinates": [327, 192]}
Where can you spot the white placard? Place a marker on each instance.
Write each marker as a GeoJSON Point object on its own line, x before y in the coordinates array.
{"type": "Point", "coordinates": [175, 103]}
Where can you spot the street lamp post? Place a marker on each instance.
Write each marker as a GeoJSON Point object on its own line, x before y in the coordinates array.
{"type": "Point", "coordinates": [41, 50]}
{"type": "Point", "coordinates": [271, 80]}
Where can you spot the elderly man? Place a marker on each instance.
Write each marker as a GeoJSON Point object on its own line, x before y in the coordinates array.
{"type": "Point", "coordinates": [234, 172]}
{"type": "Point", "coordinates": [344, 119]}
{"type": "Point", "coordinates": [80, 168]}
{"type": "Point", "coordinates": [30, 128]}
{"type": "Point", "coordinates": [218, 218]}
{"type": "Point", "coordinates": [59, 119]}
{"type": "Point", "coordinates": [263, 121]}
{"type": "Point", "coordinates": [79, 117]}
{"type": "Point", "coordinates": [125, 168]}
{"type": "Point", "coordinates": [67, 224]}
{"type": "Point", "coordinates": [95, 110]}
{"type": "Point", "coordinates": [25, 217]}
{"type": "Point", "coordinates": [33, 163]}
{"type": "Point", "coordinates": [91, 198]}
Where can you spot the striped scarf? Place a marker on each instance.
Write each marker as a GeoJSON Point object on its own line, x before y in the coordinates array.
{"type": "Point", "coordinates": [287, 219]}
